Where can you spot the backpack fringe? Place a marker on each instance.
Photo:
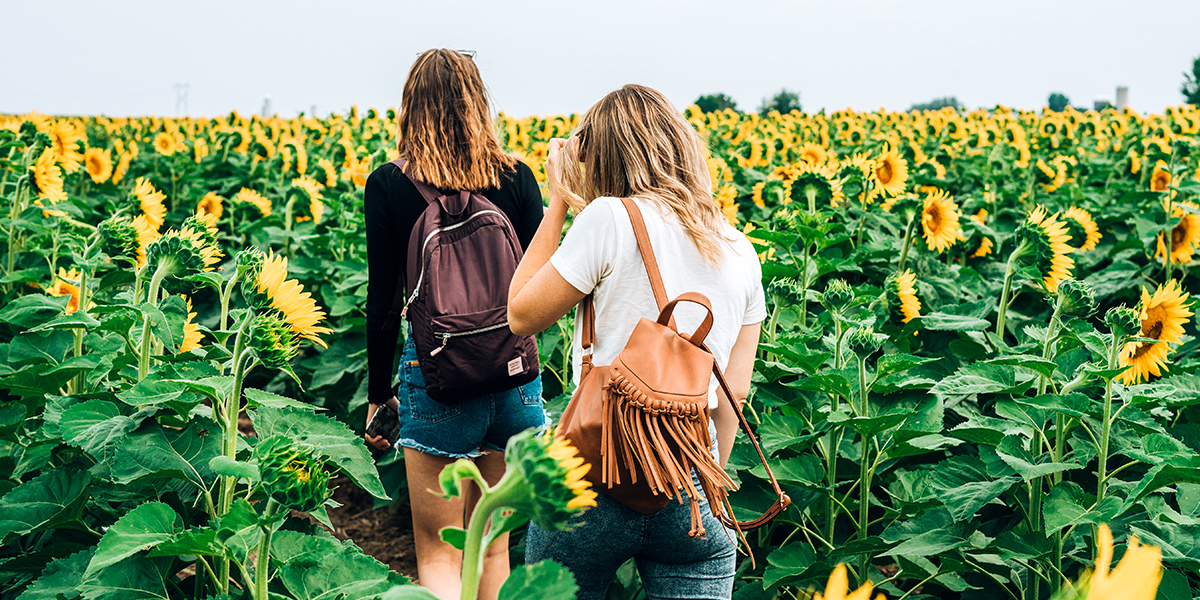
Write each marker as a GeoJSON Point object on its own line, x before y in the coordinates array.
{"type": "Point", "coordinates": [664, 441]}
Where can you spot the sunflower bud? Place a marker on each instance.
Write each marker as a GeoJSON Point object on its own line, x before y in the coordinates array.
{"type": "Point", "coordinates": [293, 474]}
{"type": "Point", "coordinates": [785, 291]}
{"type": "Point", "coordinates": [553, 487]}
{"type": "Point", "coordinates": [1123, 322]}
{"type": "Point", "coordinates": [118, 237]}
{"type": "Point", "coordinates": [274, 341]}
{"type": "Point", "coordinates": [863, 341]}
{"type": "Point", "coordinates": [1075, 299]}
{"type": "Point", "coordinates": [837, 295]}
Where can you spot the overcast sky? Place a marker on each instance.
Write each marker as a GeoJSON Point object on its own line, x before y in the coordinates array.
{"type": "Point", "coordinates": [125, 57]}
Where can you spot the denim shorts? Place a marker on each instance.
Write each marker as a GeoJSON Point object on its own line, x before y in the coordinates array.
{"type": "Point", "coordinates": [671, 564]}
{"type": "Point", "coordinates": [464, 429]}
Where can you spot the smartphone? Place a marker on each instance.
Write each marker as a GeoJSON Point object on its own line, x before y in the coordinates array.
{"type": "Point", "coordinates": [385, 423]}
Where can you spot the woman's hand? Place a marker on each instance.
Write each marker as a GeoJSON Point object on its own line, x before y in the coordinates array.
{"type": "Point", "coordinates": [553, 160]}
{"type": "Point", "coordinates": [378, 441]}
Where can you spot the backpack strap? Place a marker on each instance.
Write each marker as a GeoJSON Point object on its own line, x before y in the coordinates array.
{"type": "Point", "coordinates": [430, 194]}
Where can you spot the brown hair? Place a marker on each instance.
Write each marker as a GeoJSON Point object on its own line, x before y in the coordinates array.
{"type": "Point", "coordinates": [634, 143]}
{"type": "Point", "coordinates": [446, 127]}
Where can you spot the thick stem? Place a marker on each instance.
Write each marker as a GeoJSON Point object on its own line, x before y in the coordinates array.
{"type": "Point", "coordinates": [1106, 425]}
{"type": "Point", "coordinates": [473, 549]}
{"type": "Point", "coordinates": [264, 555]}
{"type": "Point", "coordinates": [908, 234]}
{"type": "Point", "coordinates": [832, 441]}
{"type": "Point", "coordinates": [1169, 231]}
{"type": "Point", "coordinates": [229, 446]}
{"type": "Point", "coordinates": [151, 297]}
{"type": "Point", "coordinates": [1009, 272]}
{"type": "Point", "coordinates": [864, 472]}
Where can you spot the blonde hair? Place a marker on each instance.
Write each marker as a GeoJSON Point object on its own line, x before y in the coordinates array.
{"type": "Point", "coordinates": [445, 124]}
{"type": "Point", "coordinates": [634, 143]}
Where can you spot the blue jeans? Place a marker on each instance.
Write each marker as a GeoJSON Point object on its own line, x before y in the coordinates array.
{"type": "Point", "coordinates": [468, 428]}
{"type": "Point", "coordinates": [671, 564]}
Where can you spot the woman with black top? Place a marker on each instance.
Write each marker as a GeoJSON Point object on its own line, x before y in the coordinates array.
{"type": "Point", "coordinates": [446, 134]}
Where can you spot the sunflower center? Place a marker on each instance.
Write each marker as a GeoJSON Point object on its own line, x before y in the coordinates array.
{"type": "Point", "coordinates": [1141, 350]}
{"type": "Point", "coordinates": [1179, 234]}
{"type": "Point", "coordinates": [932, 218]}
{"type": "Point", "coordinates": [884, 172]}
{"type": "Point", "coordinates": [1155, 321]}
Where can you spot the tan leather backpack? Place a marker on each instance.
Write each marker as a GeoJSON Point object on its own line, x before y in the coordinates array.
{"type": "Point", "coordinates": [642, 422]}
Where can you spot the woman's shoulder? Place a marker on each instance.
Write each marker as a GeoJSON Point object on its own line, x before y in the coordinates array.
{"type": "Point", "coordinates": [740, 244]}
{"type": "Point", "coordinates": [384, 174]}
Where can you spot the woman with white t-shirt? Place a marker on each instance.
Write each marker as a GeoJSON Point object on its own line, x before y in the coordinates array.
{"type": "Point", "coordinates": [633, 143]}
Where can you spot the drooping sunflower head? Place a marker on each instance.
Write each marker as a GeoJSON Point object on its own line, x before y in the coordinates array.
{"type": "Point", "coordinates": [1076, 299]}
{"type": "Point", "coordinates": [150, 201]}
{"type": "Point", "coordinates": [815, 186]}
{"type": "Point", "coordinates": [1185, 236]}
{"type": "Point", "coordinates": [66, 283]}
{"type": "Point", "coordinates": [900, 291]}
{"type": "Point", "coordinates": [252, 198]}
{"type": "Point", "coordinates": [47, 177]}
{"type": "Point", "coordinates": [328, 171]}
{"type": "Point", "coordinates": [838, 588]}
{"type": "Point", "coordinates": [889, 173]}
{"type": "Point", "coordinates": [554, 486]}
{"type": "Point", "coordinates": [119, 238]}
{"type": "Point", "coordinates": [98, 164]}
{"type": "Point", "coordinates": [293, 473]}
{"type": "Point", "coordinates": [1136, 577]}
{"type": "Point", "coordinates": [268, 288]}
{"type": "Point", "coordinates": [1044, 238]}
{"type": "Point", "coordinates": [311, 190]}
{"type": "Point", "coordinates": [211, 204]}
{"type": "Point", "coordinates": [1082, 229]}
{"type": "Point", "coordinates": [939, 221]}
{"type": "Point", "coordinates": [65, 137]}
{"type": "Point", "coordinates": [179, 254]}
{"type": "Point", "coordinates": [274, 341]}
{"type": "Point", "coordinates": [1163, 315]}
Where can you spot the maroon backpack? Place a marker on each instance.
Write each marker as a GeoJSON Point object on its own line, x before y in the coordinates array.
{"type": "Point", "coordinates": [462, 255]}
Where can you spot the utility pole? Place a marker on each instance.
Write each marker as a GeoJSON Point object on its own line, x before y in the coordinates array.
{"type": "Point", "coordinates": [181, 99]}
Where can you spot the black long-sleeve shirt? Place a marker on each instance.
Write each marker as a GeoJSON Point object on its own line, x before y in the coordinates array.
{"type": "Point", "coordinates": [392, 205]}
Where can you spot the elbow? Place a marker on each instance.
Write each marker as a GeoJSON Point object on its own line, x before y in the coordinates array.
{"type": "Point", "coordinates": [519, 323]}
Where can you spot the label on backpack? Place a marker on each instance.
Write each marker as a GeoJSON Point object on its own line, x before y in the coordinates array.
{"type": "Point", "coordinates": [515, 366]}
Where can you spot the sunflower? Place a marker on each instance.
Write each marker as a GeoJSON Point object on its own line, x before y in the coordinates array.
{"type": "Point", "coordinates": [151, 202]}
{"type": "Point", "coordinates": [146, 233]}
{"type": "Point", "coordinates": [326, 167]}
{"type": "Point", "coordinates": [902, 290]}
{"type": "Point", "coordinates": [122, 167]}
{"type": "Point", "coordinates": [889, 173]}
{"type": "Point", "coordinates": [98, 164]}
{"type": "Point", "coordinates": [1185, 237]}
{"type": "Point", "coordinates": [985, 243]}
{"type": "Point", "coordinates": [212, 205]}
{"type": "Point", "coordinates": [191, 331]}
{"type": "Point", "coordinates": [66, 284]}
{"type": "Point", "coordinates": [726, 198]}
{"type": "Point", "coordinates": [545, 479]}
{"type": "Point", "coordinates": [838, 588]}
{"type": "Point", "coordinates": [1163, 316]}
{"type": "Point", "coordinates": [199, 149]}
{"type": "Point", "coordinates": [939, 221]}
{"type": "Point", "coordinates": [64, 139]}
{"type": "Point", "coordinates": [756, 195]}
{"type": "Point", "coordinates": [1047, 239]}
{"type": "Point", "coordinates": [1160, 179]}
{"type": "Point", "coordinates": [1084, 232]}
{"type": "Point", "coordinates": [815, 186]}
{"type": "Point", "coordinates": [1136, 577]}
{"type": "Point", "coordinates": [813, 154]}
{"type": "Point", "coordinates": [289, 298]}
{"type": "Point", "coordinates": [255, 199]}
{"type": "Point", "coordinates": [164, 144]}
{"type": "Point", "coordinates": [47, 176]}
{"type": "Point", "coordinates": [312, 189]}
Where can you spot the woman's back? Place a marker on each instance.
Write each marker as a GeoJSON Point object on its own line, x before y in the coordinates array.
{"type": "Point", "coordinates": [600, 255]}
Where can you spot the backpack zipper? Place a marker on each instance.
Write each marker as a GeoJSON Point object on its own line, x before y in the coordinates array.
{"type": "Point", "coordinates": [421, 275]}
{"type": "Point", "coordinates": [447, 335]}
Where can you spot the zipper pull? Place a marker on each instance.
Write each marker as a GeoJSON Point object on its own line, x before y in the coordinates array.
{"type": "Point", "coordinates": [404, 311]}
{"type": "Point", "coordinates": [445, 340]}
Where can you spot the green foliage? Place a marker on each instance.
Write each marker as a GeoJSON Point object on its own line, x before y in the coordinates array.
{"type": "Point", "coordinates": [715, 102]}
{"type": "Point", "coordinates": [938, 104]}
{"type": "Point", "coordinates": [1058, 102]}
{"type": "Point", "coordinates": [784, 101]}
{"type": "Point", "coordinates": [1191, 84]}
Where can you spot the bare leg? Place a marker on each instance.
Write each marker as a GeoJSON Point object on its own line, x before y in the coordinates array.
{"type": "Point", "coordinates": [495, 561]}
{"type": "Point", "coordinates": [439, 565]}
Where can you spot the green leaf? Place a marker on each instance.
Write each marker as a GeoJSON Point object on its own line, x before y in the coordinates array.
{"type": "Point", "coordinates": [61, 578]}
{"type": "Point", "coordinates": [332, 438]}
{"type": "Point", "coordinates": [408, 592]}
{"type": "Point", "coordinates": [898, 363]}
{"type": "Point", "coordinates": [156, 451]}
{"type": "Point", "coordinates": [1068, 505]}
{"type": "Point", "coordinates": [142, 528]}
{"type": "Point", "coordinates": [1035, 363]}
{"type": "Point", "coordinates": [47, 501]}
{"type": "Point", "coordinates": [964, 486]}
{"type": "Point", "coordinates": [214, 388]}
{"type": "Point", "coordinates": [33, 310]}
{"type": "Point", "coordinates": [197, 541]}
{"type": "Point", "coordinates": [348, 574]}
{"type": "Point", "coordinates": [931, 543]}
{"type": "Point", "coordinates": [75, 320]}
{"type": "Point", "coordinates": [1014, 451]}
{"type": "Point", "coordinates": [779, 431]}
{"type": "Point", "coordinates": [286, 546]}
{"type": "Point", "coordinates": [258, 398]}
{"type": "Point", "coordinates": [223, 465]}
{"type": "Point", "coordinates": [546, 580]}
{"type": "Point", "coordinates": [455, 536]}
{"type": "Point", "coordinates": [804, 471]}
{"type": "Point", "coordinates": [869, 425]}
{"type": "Point", "coordinates": [791, 564]}
{"type": "Point", "coordinates": [978, 379]}
{"type": "Point", "coordinates": [97, 424]}
{"type": "Point", "coordinates": [826, 383]}
{"type": "Point", "coordinates": [1182, 470]}
{"type": "Point", "coordinates": [944, 322]}
{"type": "Point", "coordinates": [134, 578]}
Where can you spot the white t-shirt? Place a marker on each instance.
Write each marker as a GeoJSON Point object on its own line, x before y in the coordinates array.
{"type": "Point", "coordinates": [599, 255]}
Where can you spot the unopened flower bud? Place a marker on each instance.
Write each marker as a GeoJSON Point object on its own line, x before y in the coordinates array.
{"type": "Point", "coordinates": [864, 341]}
{"type": "Point", "coordinates": [837, 295]}
{"type": "Point", "coordinates": [1123, 322]}
{"type": "Point", "coordinates": [1076, 298]}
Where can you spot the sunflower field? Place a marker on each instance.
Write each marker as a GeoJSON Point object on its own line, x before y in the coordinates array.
{"type": "Point", "coordinates": [979, 373]}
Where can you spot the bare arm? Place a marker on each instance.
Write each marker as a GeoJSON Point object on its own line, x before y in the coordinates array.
{"type": "Point", "coordinates": [737, 375]}
{"type": "Point", "coordinates": [539, 296]}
